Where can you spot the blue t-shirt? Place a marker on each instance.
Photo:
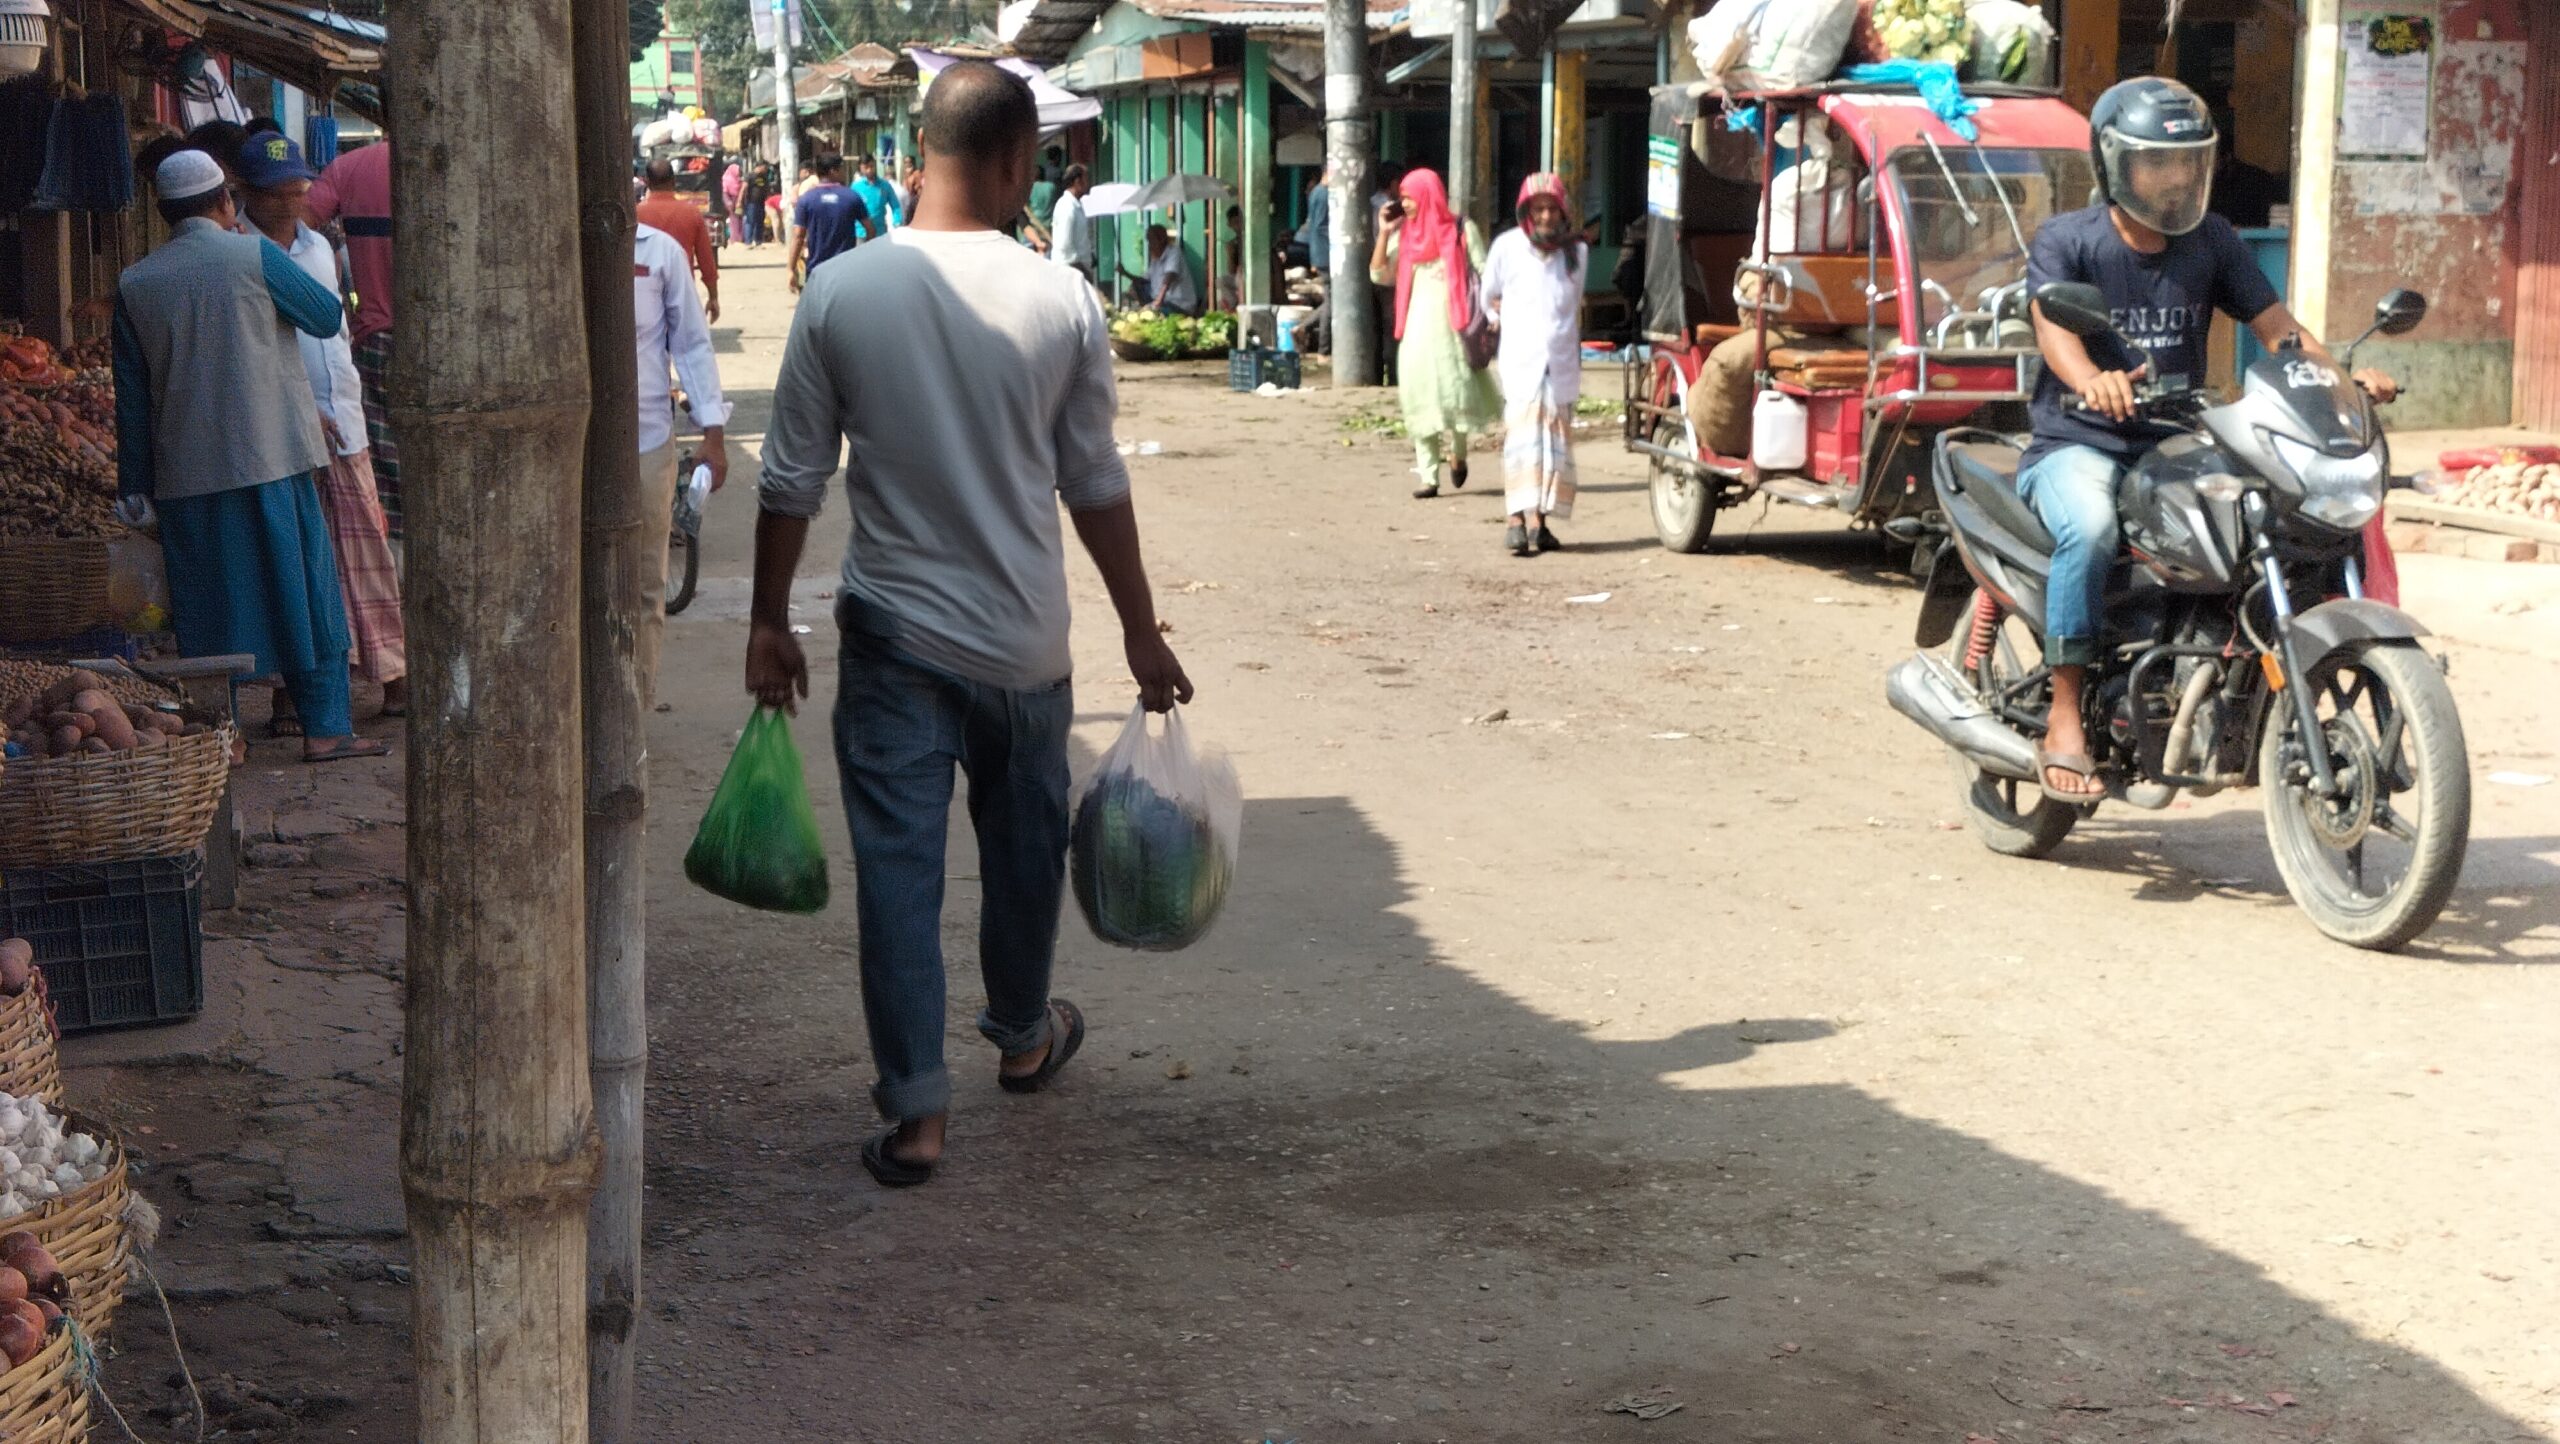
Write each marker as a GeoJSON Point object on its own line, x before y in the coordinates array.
{"type": "Point", "coordinates": [2163, 303]}
{"type": "Point", "coordinates": [880, 201]}
{"type": "Point", "coordinates": [828, 214]}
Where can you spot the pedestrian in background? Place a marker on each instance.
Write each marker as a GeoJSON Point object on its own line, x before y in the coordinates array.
{"type": "Point", "coordinates": [878, 196]}
{"type": "Point", "coordinates": [1167, 284]}
{"type": "Point", "coordinates": [1070, 229]}
{"type": "Point", "coordinates": [1425, 259]}
{"type": "Point", "coordinates": [663, 209]}
{"type": "Point", "coordinates": [354, 191]}
{"type": "Point", "coordinates": [217, 437]}
{"type": "Point", "coordinates": [759, 197]}
{"type": "Point", "coordinates": [672, 331]}
{"type": "Point", "coordinates": [973, 380]}
{"type": "Point", "coordinates": [278, 183]}
{"type": "Point", "coordinates": [1533, 280]}
{"type": "Point", "coordinates": [826, 221]}
{"type": "Point", "coordinates": [733, 189]}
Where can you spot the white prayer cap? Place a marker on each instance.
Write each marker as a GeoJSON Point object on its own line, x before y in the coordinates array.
{"type": "Point", "coordinates": [187, 174]}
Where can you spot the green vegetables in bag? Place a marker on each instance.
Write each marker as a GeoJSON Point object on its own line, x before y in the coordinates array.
{"type": "Point", "coordinates": [758, 843]}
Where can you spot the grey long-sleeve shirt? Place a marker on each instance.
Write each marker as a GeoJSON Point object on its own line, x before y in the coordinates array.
{"type": "Point", "coordinates": [973, 380]}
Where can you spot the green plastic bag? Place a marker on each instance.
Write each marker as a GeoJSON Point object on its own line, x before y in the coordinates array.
{"type": "Point", "coordinates": [758, 843]}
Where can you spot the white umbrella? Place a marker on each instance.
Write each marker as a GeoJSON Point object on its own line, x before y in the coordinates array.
{"type": "Point", "coordinates": [1183, 189]}
{"type": "Point", "coordinates": [1110, 200]}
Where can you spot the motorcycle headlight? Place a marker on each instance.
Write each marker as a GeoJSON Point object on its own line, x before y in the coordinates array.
{"type": "Point", "coordinates": [2341, 492]}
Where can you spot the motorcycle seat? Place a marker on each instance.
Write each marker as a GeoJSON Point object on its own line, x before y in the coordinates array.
{"type": "Point", "coordinates": [1987, 471]}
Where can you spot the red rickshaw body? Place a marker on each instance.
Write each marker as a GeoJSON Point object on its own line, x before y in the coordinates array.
{"type": "Point", "coordinates": [1919, 323]}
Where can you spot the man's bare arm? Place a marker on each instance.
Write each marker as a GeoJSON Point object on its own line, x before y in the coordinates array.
{"type": "Point", "coordinates": [1110, 536]}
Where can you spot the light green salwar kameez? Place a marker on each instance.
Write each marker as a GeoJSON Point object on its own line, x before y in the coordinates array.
{"type": "Point", "coordinates": [1444, 399]}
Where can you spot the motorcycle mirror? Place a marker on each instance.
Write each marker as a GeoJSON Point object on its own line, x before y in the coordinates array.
{"type": "Point", "coordinates": [2076, 307]}
{"type": "Point", "coordinates": [2399, 313]}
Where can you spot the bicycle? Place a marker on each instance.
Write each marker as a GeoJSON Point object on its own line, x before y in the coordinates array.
{"type": "Point", "coordinates": [684, 540]}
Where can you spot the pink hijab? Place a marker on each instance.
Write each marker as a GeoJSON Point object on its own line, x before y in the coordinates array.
{"type": "Point", "coordinates": [1431, 234]}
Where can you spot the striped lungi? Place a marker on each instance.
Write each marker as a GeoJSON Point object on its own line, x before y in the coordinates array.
{"type": "Point", "coordinates": [373, 368]}
{"type": "Point", "coordinates": [1537, 457]}
{"type": "Point", "coordinates": [367, 573]}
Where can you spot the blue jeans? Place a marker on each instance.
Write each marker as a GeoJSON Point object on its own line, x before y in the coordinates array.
{"type": "Point", "coordinates": [899, 729]}
{"type": "Point", "coordinates": [2073, 491]}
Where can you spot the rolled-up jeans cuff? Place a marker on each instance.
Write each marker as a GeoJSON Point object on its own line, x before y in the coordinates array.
{"type": "Point", "coordinates": [2071, 652]}
{"type": "Point", "coordinates": [922, 1096]}
{"type": "Point", "coordinates": [1014, 1040]}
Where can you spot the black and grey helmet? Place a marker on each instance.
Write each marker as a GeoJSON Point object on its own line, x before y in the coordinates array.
{"type": "Point", "coordinates": [2153, 144]}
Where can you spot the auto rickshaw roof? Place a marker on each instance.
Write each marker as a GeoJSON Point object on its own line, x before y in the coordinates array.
{"type": "Point", "coordinates": [1884, 117]}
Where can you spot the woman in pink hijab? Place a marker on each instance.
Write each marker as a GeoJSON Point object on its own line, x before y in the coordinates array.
{"type": "Point", "coordinates": [1430, 258]}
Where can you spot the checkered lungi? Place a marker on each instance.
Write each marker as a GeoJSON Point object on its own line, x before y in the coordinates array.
{"type": "Point", "coordinates": [373, 368]}
{"type": "Point", "coordinates": [368, 576]}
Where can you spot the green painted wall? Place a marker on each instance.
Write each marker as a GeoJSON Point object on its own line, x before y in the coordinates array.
{"type": "Point", "coordinates": [1192, 155]}
{"type": "Point", "coordinates": [1254, 156]}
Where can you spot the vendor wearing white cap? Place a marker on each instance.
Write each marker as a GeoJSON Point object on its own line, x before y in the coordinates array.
{"type": "Point", "coordinates": [218, 434]}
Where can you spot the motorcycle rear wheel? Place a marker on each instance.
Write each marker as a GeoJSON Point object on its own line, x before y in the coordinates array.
{"type": "Point", "coordinates": [2395, 742]}
{"type": "Point", "coordinates": [2013, 818]}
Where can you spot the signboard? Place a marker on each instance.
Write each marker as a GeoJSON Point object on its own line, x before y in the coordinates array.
{"type": "Point", "coordinates": [2387, 86]}
{"type": "Point", "coordinates": [761, 12]}
{"type": "Point", "coordinates": [1662, 175]}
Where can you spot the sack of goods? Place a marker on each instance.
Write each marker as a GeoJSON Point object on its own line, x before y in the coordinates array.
{"type": "Point", "coordinates": [758, 843]}
{"type": "Point", "coordinates": [2012, 42]}
{"type": "Point", "coordinates": [1154, 842]}
{"type": "Point", "coordinates": [1772, 44]}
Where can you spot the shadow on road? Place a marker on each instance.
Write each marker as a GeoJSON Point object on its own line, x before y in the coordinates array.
{"type": "Point", "coordinates": [1316, 1179]}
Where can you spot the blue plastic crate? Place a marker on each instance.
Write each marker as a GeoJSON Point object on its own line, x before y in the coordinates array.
{"type": "Point", "coordinates": [121, 943]}
{"type": "Point", "coordinates": [1248, 369]}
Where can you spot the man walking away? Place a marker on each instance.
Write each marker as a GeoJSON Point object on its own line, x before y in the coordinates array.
{"type": "Point", "coordinates": [826, 222]}
{"type": "Point", "coordinates": [687, 227]}
{"type": "Point", "coordinates": [671, 327]}
{"type": "Point", "coordinates": [1070, 229]}
{"type": "Point", "coordinates": [973, 380]}
{"type": "Point", "coordinates": [279, 185]}
{"type": "Point", "coordinates": [878, 196]}
{"type": "Point", "coordinates": [217, 434]}
{"type": "Point", "coordinates": [355, 192]}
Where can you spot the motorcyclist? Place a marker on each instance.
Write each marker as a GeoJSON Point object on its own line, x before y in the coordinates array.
{"type": "Point", "coordinates": [2165, 266]}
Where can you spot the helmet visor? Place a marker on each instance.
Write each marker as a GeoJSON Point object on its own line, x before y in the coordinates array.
{"type": "Point", "coordinates": [2164, 185]}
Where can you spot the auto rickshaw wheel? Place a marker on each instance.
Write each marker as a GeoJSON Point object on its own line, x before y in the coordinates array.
{"type": "Point", "coordinates": [1684, 502]}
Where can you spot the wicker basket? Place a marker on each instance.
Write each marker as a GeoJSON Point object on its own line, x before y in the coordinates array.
{"type": "Point", "coordinates": [52, 587]}
{"type": "Point", "coordinates": [1133, 350]}
{"type": "Point", "coordinates": [20, 678]}
{"type": "Point", "coordinates": [145, 802]}
{"type": "Point", "coordinates": [46, 1400]}
{"type": "Point", "coordinates": [86, 1234]}
{"type": "Point", "coordinates": [30, 1061]}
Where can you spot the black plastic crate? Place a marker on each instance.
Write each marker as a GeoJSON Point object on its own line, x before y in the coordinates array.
{"type": "Point", "coordinates": [121, 943]}
{"type": "Point", "coordinates": [1248, 369]}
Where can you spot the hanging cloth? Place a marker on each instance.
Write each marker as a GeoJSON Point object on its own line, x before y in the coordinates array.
{"type": "Point", "coordinates": [320, 140]}
{"type": "Point", "coordinates": [88, 162]}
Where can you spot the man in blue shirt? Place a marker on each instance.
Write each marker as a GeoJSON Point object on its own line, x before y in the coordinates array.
{"type": "Point", "coordinates": [878, 196]}
{"type": "Point", "coordinates": [2165, 265]}
{"type": "Point", "coordinates": [828, 220]}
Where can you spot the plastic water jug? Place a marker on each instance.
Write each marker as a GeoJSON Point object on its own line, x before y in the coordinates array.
{"type": "Point", "coordinates": [1288, 333]}
{"type": "Point", "coordinates": [1779, 423]}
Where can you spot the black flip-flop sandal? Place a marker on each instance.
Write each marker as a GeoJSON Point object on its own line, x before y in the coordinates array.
{"type": "Point", "coordinates": [353, 747]}
{"type": "Point", "coordinates": [887, 1169]}
{"type": "Point", "coordinates": [1062, 1047]}
{"type": "Point", "coordinates": [1458, 475]}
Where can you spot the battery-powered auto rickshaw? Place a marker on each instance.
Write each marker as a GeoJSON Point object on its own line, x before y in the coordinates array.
{"type": "Point", "coordinates": [1830, 280]}
{"type": "Point", "coordinates": [697, 169]}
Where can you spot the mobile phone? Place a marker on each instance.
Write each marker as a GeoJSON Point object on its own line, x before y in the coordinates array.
{"type": "Point", "coordinates": [1392, 210]}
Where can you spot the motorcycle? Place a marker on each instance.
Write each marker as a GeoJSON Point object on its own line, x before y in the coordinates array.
{"type": "Point", "coordinates": [2241, 648]}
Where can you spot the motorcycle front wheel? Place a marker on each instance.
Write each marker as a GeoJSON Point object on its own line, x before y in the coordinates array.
{"type": "Point", "coordinates": [2374, 865]}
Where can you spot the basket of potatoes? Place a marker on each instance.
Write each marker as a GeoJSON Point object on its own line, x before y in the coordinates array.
{"type": "Point", "coordinates": [91, 777]}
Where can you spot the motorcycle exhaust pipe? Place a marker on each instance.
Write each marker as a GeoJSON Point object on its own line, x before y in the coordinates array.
{"type": "Point", "coordinates": [1933, 694]}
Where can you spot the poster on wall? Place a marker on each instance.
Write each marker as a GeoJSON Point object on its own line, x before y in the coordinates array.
{"type": "Point", "coordinates": [2389, 82]}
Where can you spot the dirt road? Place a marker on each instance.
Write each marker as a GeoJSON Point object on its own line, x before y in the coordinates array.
{"type": "Point", "coordinates": [1664, 1041]}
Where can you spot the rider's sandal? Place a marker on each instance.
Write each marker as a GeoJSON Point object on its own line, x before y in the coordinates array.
{"type": "Point", "coordinates": [2075, 763]}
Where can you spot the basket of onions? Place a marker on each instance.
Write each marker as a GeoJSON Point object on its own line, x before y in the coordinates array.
{"type": "Point", "coordinates": [44, 1397]}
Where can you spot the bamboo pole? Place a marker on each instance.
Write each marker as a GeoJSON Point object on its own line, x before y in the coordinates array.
{"type": "Point", "coordinates": [619, 543]}
{"type": "Point", "coordinates": [489, 391]}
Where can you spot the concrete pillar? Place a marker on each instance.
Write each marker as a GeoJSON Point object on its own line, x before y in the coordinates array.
{"type": "Point", "coordinates": [1254, 143]}
{"type": "Point", "coordinates": [1569, 114]}
{"type": "Point", "coordinates": [1466, 180]}
{"type": "Point", "coordinates": [2315, 167]}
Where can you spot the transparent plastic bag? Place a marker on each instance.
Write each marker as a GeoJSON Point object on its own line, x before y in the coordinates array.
{"type": "Point", "coordinates": [758, 843]}
{"type": "Point", "coordinates": [1155, 838]}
